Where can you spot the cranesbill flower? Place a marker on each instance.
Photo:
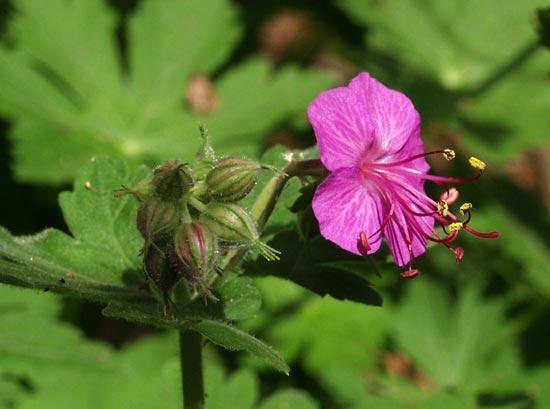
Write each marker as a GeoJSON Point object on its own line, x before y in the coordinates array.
{"type": "Point", "coordinates": [369, 140]}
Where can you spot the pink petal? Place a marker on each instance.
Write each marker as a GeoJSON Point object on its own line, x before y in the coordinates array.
{"type": "Point", "coordinates": [345, 208]}
{"type": "Point", "coordinates": [403, 225]}
{"type": "Point", "coordinates": [364, 119]}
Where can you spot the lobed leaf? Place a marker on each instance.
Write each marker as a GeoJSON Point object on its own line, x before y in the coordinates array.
{"type": "Point", "coordinates": [459, 345]}
{"type": "Point", "coordinates": [459, 44]}
{"type": "Point", "coordinates": [70, 95]}
{"type": "Point", "coordinates": [100, 260]}
{"type": "Point", "coordinates": [335, 340]}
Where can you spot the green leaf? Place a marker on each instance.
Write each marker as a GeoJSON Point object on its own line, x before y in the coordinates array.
{"type": "Point", "coordinates": [531, 256]}
{"type": "Point", "coordinates": [239, 391]}
{"type": "Point", "coordinates": [23, 346]}
{"type": "Point", "coordinates": [66, 370]}
{"type": "Point", "coordinates": [37, 349]}
{"type": "Point", "coordinates": [212, 327]}
{"type": "Point", "coordinates": [510, 116]}
{"type": "Point", "coordinates": [100, 261]}
{"type": "Point", "coordinates": [253, 87]}
{"type": "Point", "coordinates": [85, 59]}
{"type": "Point", "coordinates": [463, 345]}
{"type": "Point", "coordinates": [227, 336]}
{"type": "Point", "coordinates": [458, 43]}
{"type": "Point", "coordinates": [70, 97]}
{"type": "Point", "coordinates": [289, 398]}
{"type": "Point", "coordinates": [303, 262]}
{"type": "Point", "coordinates": [128, 384]}
{"type": "Point", "coordinates": [335, 340]}
{"type": "Point", "coordinates": [170, 41]}
{"type": "Point", "coordinates": [240, 297]}
{"type": "Point", "coordinates": [11, 390]}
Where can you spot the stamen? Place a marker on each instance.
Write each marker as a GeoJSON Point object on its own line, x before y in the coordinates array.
{"type": "Point", "coordinates": [465, 208]}
{"type": "Point", "coordinates": [456, 226]}
{"type": "Point", "coordinates": [419, 211]}
{"type": "Point", "coordinates": [490, 235]}
{"type": "Point", "coordinates": [364, 241]}
{"type": "Point", "coordinates": [450, 196]}
{"type": "Point", "coordinates": [410, 273]}
{"type": "Point", "coordinates": [459, 253]}
{"type": "Point", "coordinates": [449, 154]}
{"type": "Point", "coordinates": [448, 239]}
{"type": "Point", "coordinates": [362, 235]}
{"type": "Point", "coordinates": [477, 163]}
{"type": "Point", "coordinates": [443, 208]}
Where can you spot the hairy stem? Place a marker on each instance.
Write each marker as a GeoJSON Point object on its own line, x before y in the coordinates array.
{"type": "Point", "coordinates": [190, 343]}
{"type": "Point", "coordinates": [191, 369]}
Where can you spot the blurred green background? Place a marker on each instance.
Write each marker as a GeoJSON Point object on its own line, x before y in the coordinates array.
{"type": "Point", "coordinates": [131, 79]}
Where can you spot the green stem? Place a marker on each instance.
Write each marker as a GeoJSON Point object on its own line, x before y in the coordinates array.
{"type": "Point", "coordinates": [185, 215]}
{"type": "Point", "coordinates": [191, 369]}
{"type": "Point", "coordinates": [190, 343]}
{"type": "Point", "coordinates": [196, 203]}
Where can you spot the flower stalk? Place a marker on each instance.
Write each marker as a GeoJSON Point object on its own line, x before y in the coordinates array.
{"type": "Point", "coordinates": [192, 377]}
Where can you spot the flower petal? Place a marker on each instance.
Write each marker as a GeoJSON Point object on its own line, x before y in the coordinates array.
{"type": "Point", "coordinates": [396, 122]}
{"type": "Point", "coordinates": [345, 208]}
{"type": "Point", "coordinates": [405, 228]}
{"type": "Point", "coordinates": [364, 120]}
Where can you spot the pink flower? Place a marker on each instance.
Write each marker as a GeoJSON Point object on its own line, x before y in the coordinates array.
{"type": "Point", "coordinates": [369, 139]}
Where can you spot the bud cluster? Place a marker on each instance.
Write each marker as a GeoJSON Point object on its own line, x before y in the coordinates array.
{"type": "Point", "coordinates": [189, 215]}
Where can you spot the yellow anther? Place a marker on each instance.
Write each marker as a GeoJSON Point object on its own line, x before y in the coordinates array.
{"type": "Point", "coordinates": [465, 208]}
{"type": "Point", "coordinates": [442, 208]}
{"type": "Point", "coordinates": [456, 226]}
{"type": "Point", "coordinates": [476, 163]}
{"type": "Point", "coordinates": [449, 154]}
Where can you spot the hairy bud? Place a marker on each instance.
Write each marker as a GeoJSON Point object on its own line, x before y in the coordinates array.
{"type": "Point", "coordinates": [234, 227]}
{"type": "Point", "coordinates": [171, 180]}
{"type": "Point", "coordinates": [157, 218]}
{"type": "Point", "coordinates": [195, 250]}
{"type": "Point", "coordinates": [232, 178]}
{"type": "Point", "coordinates": [141, 191]}
{"type": "Point", "coordinates": [159, 271]}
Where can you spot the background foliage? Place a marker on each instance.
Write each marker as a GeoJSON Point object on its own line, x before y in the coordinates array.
{"type": "Point", "coordinates": [130, 79]}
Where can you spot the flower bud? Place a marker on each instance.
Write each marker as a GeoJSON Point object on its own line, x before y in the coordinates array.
{"type": "Point", "coordinates": [159, 271]}
{"type": "Point", "coordinates": [206, 157]}
{"type": "Point", "coordinates": [232, 178]}
{"type": "Point", "coordinates": [195, 251]}
{"type": "Point", "coordinates": [141, 191]}
{"type": "Point", "coordinates": [171, 180]}
{"type": "Point", "coordinates": [157, 218]}
{"type": "Point", "coordinates": [234, 227]}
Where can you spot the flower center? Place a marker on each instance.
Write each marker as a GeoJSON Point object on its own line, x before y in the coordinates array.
{"type": "Point", "coordinates": [401, 185]}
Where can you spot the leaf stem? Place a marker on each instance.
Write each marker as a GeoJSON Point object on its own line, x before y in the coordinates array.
{"type": "Point", "coordinates": [191, 369]}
